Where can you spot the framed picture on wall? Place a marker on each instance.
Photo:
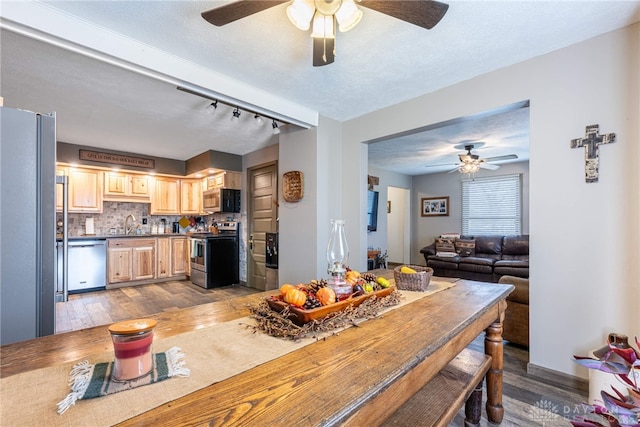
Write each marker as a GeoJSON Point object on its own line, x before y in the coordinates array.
{"type": "Point", "coordinates": [435, 206]}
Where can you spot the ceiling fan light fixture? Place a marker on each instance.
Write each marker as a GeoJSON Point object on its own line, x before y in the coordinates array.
{"type": "Point", "coordinates": [235, 117]}
{"type": "Point", "coordinates": [348, 16]}
{"type": "Point", "coordinates": [323, 26]}
{"type": "Point", "coordinates": [300, 13]}
{"type": "Point", "coordinates": [276, 129]}
{"type": "Point", "coordinates": [469, 168]}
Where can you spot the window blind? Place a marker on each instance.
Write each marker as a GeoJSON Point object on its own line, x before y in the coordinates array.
{"type": "Point", "coordinates": [492, 205]}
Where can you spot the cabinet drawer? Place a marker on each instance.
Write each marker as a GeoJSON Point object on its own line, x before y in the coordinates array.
{"type": "Point", "coordinates": [131, 243]}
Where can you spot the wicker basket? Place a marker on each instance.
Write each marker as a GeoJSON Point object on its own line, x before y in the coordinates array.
{"type": "Point", "coordinates": [413, 281]}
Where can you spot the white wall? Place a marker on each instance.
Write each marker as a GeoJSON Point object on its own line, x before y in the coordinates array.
{"type": "Point", "coordinates": [585, 267]}
{"type": "Point", "coordinates": [378, 239]}
{"type": "Point", "coordinates": [426, 229]}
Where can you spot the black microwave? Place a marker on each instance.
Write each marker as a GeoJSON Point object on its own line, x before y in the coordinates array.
{"type": "Point", "coordinates": [221, 200]}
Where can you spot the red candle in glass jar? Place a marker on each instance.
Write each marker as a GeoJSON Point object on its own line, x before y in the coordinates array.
{"type": "Point", "coordinates": [132, 342]}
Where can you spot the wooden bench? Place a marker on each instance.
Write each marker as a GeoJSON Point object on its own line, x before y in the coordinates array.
{"type": "Point", "coordinates": [438, 402]}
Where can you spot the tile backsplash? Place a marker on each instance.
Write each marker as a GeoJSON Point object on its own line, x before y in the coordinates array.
{"type": "Point", "coordinates": [111, 220]}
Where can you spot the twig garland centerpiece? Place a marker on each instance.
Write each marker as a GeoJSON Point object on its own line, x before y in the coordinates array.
{"type": "Point", "coordinates": [278, 324]}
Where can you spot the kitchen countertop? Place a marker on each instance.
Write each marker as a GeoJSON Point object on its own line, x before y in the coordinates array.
{"type": "Point", "coordinates": [120, 236]}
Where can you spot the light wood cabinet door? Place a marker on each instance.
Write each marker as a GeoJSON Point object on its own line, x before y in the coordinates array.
{"type": "Point", "coordinates": [85, 190]}
{"type": "Point", "coordinates": [179, 256]}
{"type": "Point", "coordinates": [120, 263]}
{"type": "Point", "coordinates": [139, 186]}
{"type": "Point", "coordinates": [144, 262]}
{"type": "Point", "coordinates": [165, 197]}
{"type": "Point", "coordinates": [60, 171]}
{"type": "Point", "coordinates": [163, 255]}
{"type": "Point", "coordinates": [115, 184]}
{"type": "Point", "coordinates": [126, 187]}
{"type": "Point", "coordinates": [190, 196]}
{"type": "Point", "coordinates": [225, 179]}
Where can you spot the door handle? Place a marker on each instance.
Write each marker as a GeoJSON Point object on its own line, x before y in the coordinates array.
{"type": "Point", "coordinates": [251, 242]}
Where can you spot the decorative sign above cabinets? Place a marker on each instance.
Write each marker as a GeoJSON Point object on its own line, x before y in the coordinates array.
{"type": "Point", "coordinates": [119, 159]}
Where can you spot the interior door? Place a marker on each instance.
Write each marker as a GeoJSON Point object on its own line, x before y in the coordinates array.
{"type": "Point", "coordinates": [262, 201]}
{"type": "Point", "coordinates": [398, 225]}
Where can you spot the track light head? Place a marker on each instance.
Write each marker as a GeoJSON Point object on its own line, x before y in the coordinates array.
{"type": "Point", "coordinates": [211, 108]}
{"type": "Point", "coordinates": [236, 115]}
{"type": "Point", "coordinates": [276, 129]}
{"type": "Point", "coordinates": [259, 119]}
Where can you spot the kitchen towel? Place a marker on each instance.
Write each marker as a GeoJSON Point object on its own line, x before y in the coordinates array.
{"type": "Point", "coordinates": [89, 381]}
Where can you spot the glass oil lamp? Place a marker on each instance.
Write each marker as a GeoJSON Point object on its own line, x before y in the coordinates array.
{"type": "Point", "coordinates": [337, 256]}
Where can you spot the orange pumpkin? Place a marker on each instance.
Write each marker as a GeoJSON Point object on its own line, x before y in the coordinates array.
{"type": "Point", "coordinates": [326, 296]}
{"type": "Point", "coordinates": [295, 297]}
{"type": "Point", "coordinates": [285, 288]}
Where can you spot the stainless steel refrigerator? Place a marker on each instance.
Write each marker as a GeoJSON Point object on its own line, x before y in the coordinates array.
{"type": "Point", "coordinates": [27, 232]}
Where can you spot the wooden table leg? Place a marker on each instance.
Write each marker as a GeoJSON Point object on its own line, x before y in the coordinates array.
{"type": "Point", "coordinates": [472, 408]}
{"type": "Point", "coordinates": [493, 347]}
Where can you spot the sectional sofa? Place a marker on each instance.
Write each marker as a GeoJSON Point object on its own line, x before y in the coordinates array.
{"type": "Point", "coordinates": [482, 258]}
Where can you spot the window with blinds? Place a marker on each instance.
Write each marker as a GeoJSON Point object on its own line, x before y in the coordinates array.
{"type": "Point", "coordinates": [492, 205]}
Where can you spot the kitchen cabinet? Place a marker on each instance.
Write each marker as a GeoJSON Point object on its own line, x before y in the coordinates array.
{"type": "Point", "coordinates": [163, 257]}
{"type": "Point", "coordinates": [190, 197]}
{"type": "Point", "coordinates": [61, 171]}
{"type": "Point", "coordinates": [179, 256]}
{"type": "Point", "coordinates": [165, 196]}
{"type": "Point", "coordinates": [131, 259]}
{"type": "Point", "coordinates": [126, 187]}
{"type": "Point", "coordinates": [119, 265]}
{"type": "Point", "coordinates": [85, 189]}
{"type": "Point", "coordinates": [225, 179]}
{"type": "Point", "coordinates": [144, 261]}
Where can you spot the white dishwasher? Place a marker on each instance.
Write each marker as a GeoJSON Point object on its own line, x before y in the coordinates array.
{"type": "Point", "coordinates": [87, 265]}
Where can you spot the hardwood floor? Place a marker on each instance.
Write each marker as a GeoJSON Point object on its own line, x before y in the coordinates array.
{"type": "Point", "coordinates": [528, 401]}
{"type": "Point", "coordinates": [105, 307]}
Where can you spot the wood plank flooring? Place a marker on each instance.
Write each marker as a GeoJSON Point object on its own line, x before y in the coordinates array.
{"type": "Point", "coordinates": [113, 305]}
{"type": "Point", "coordinates": [528, 401]}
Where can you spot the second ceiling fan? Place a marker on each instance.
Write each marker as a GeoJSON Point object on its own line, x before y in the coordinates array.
{"type": "Point", "coordinates": [322, 16]}
{"type": "Point", "coordinates": [471, 163]}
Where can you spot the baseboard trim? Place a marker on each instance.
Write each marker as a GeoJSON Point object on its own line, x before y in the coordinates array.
{"type": "Point", "coordinates": [557, 377]}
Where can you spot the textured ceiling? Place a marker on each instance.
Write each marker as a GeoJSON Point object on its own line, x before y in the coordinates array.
{"type": "Point", "coordinates": [383, 61]}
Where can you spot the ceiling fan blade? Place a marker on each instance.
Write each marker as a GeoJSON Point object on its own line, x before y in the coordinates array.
{"type": "Point", "coordinates": [498, 158]}
{"type": "Point", "coordinates": [442, 164]}
{"type": "Point", "coordinates": [222, 15]}
{"type": "Point", "coordinates": [489, 166]}
{"type": "Point", "coordinates": [423, 13]}
{"type": "Point", "coordinates": [323, 51]}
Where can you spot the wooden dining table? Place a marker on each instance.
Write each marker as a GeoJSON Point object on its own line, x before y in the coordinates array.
{"type": "Point", "coordinates": [359, 376]}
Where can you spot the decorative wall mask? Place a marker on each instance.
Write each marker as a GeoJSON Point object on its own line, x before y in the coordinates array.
{"type": "Point", "coordinates": [591, 143]}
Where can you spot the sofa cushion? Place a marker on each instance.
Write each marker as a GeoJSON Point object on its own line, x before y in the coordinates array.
{"type": "Point", "coordinates": [478, 261]}
{"type": "Point", "coordinates": [465, 247]}
{"type": "Point", "coordinates": [437, 262]}
{"type": "Point", "coordinates": [515, 245]}
{"type": "Point", "coordinates": [476, 268]}
{"type": "Point", "coordinates": [445, 245]}
{"type": "Point", "coordinates": [489, 245]}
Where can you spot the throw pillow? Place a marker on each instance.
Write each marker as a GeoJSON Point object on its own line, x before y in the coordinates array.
{"type": "Point", "coordinates": [445, 245]}
{"type": "Point", "coordinates": [465, 247]}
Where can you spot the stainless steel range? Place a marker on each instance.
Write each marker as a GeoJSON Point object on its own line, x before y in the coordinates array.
{"type": "Point", "coordinates": [215, 258]}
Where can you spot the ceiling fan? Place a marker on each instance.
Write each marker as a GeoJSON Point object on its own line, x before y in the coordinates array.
{"type": "Point", "coordinates": [326, 13]}
{"type": "Point", "coordinates": [471, 163]}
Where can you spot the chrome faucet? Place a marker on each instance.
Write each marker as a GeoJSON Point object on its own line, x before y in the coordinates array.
{"type": "Point", "coordinates": [128, 229]}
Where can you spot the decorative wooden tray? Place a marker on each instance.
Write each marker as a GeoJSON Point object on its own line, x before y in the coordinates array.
{"type": "Point", "coordinates": [301, 316]}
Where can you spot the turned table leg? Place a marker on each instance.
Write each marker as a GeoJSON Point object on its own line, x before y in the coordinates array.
{"type": "Point", "coordinates": [493, 347]}
{"type": "Point", "coordinates": [473, 407]}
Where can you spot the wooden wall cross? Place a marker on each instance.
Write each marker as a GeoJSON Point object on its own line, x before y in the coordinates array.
{"type": "Point", "coordinates": [591, 143]}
